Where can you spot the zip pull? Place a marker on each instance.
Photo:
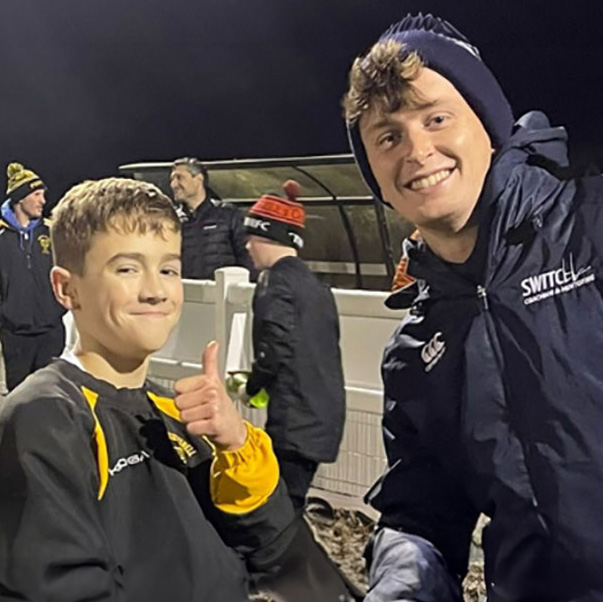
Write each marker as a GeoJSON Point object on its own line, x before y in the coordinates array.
{"type": "Point", "coordinates": [482, 295]}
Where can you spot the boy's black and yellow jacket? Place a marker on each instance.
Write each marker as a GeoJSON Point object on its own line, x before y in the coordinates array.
{"type": "Point", "coordinates": [27, 303]}
{"type": "Point", "coordinates": [104, 496]}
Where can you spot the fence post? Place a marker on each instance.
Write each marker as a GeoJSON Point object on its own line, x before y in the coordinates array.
{"type": "Point", "coordinates": [225, 277]}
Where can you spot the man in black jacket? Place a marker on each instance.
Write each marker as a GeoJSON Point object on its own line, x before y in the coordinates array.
{"type": "Point", "coordinates": [212, 231]}
{"type": "Point", "coordinates": [493, 381]}
{"type": "Point", "coordinates": [31, 327]}
{"type": "Point", "coordinates": [296, 345]}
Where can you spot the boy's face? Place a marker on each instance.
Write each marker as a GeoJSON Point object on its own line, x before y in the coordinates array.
{"type": "Point", "coordinates": [130, 296]}
{"type": "Point", "coordinates": [431, 161]}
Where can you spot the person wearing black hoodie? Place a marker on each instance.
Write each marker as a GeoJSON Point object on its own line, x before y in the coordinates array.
{"type": "Point", "coordinates": [31, 327]}
{"type": "Point", "coordinates": [493, 381]}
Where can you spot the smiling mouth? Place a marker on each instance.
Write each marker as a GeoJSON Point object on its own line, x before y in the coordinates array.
{"type": "Point", "coordinates": [431, 180]}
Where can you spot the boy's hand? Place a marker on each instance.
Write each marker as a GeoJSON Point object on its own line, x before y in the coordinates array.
{"type": "Point", "coordinates": [205, 407]}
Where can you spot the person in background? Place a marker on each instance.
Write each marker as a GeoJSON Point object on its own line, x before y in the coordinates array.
{"type": "Point", "coordinates": [493, 382]}
{"type": "Point", "coordinates": [31, 326]}
{"type": "Point", "coordinates": [212, 231]}
{"type": "Point", "coordinates": [295, 343]}
{"type": "Point", "coordinates": [297, 375]}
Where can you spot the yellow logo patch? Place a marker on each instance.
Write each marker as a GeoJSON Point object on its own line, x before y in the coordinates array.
{"type": "Point", "coordinates": [44, 241]}
{"type": "Point", "coordinates": [182, 447]}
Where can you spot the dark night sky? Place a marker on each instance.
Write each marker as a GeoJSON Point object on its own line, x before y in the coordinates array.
{"type": "Point", "coordinates": [89, 84]}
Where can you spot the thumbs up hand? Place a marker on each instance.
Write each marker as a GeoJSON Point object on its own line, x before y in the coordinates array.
{"type": "Point", "coordinates": [205, 407]}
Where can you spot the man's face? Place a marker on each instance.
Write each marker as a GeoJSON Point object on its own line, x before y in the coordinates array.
{"type": "Point", "coordinates": [130, 296]}
{"type": "Point", "coordinates": [261, 251]}
{"type": "Point", "coordinates": [33, 204]}
{"type": "Point", "coordinates": [431, 161]}
{"type": "Point", "coordinates": [186, 186]}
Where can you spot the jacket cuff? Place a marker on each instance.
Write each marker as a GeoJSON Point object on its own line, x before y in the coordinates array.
{"type": "Point", "coordinates": [242, 480]}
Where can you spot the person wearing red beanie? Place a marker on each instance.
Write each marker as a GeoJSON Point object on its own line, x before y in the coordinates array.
{"type": "Point", "coordinates": [295, 342]}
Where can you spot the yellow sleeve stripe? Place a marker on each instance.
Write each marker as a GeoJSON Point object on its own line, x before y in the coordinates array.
{"type": "Point", "coordinates": [102, 455]}
{"type": "Point", "coordinates": [165, 405]}
{"type": "Point", "coordinates": [241, 481]}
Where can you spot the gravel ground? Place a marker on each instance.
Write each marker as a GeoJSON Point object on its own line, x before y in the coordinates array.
{"type": "Point", "coordinates": [344, 534]}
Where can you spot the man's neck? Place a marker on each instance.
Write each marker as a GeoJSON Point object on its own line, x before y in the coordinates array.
{"type": "Point", "coordinates": [21, 216]}
{"type": "Point", "coordinates": [120, 372]}
{"type": "Point", "coordinates": [454, 247]}
{"type": "Point", "coordinates": [194, 203]}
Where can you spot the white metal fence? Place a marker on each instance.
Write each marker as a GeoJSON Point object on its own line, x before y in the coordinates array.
{"type": "Point", "coordinates": [221, 310]}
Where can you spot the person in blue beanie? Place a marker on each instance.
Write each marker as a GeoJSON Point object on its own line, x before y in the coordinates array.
{"type": "Point", "coordinates": [493, 381]}
{"type": "Point", "coordinates": [31, 326]}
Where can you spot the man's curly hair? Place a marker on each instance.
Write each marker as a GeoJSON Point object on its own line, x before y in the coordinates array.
{"type": "Point", "coordinates": [382, 80]}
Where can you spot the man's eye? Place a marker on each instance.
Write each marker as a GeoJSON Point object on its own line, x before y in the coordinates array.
{"type": "Point", "coordinates": [387, 140]}
{"type": "Point", "coordinates": [174, 272]}
{"type": "Point", "coordinates": [438, 120]}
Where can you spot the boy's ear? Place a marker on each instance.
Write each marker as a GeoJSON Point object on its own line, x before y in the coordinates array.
{"type": "Point", "coordinates": [64, 288]}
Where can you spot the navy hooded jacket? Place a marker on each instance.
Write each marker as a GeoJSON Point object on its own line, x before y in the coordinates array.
{"type": "Point", "coordinates": [494, 384]}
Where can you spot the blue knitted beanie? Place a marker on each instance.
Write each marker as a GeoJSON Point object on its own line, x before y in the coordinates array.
{"type": "Point", "coordinates": [445, 50]}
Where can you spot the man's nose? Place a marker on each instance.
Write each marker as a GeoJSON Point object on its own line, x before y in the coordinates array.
{"type": "Point", "coordinates": [419, 145]}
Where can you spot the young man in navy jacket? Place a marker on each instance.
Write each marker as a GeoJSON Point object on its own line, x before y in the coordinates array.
{"type": "Point", "coordinates": [493, 381]}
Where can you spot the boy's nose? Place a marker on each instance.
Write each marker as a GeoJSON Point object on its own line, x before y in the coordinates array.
{"type": "Point", "coordinates": [153, 289]}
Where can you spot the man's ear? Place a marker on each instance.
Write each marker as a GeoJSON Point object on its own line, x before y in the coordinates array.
{"type": "Point", "coordinates": [63, 286]}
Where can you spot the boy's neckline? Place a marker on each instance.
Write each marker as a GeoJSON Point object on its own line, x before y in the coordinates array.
{"type": "Point", "coordinates": [70, 357]}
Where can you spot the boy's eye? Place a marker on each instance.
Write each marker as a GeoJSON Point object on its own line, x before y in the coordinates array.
{"type": "Point", "coordinates": [171, 271]}
{"type": "Point", "coordinates": [126, 269]}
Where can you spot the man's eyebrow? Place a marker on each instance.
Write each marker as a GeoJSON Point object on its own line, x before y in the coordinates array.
{"type": "Point", "coordinates": [386, 120]}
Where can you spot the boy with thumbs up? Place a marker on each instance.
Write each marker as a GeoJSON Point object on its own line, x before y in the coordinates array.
{"type": "Point", "coordinates": [109, 488]}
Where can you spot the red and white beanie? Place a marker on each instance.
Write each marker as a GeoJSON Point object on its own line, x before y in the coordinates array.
{"type": "Point", "coordinates": [282, 220]}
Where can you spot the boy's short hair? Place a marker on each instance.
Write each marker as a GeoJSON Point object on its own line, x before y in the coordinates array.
{"type": "Point", "coordinates": [93, 207]}
{"type": "Point", "coordinates": [382, 80]}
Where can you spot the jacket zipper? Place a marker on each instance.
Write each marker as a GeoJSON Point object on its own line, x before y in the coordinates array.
{"type": "Point", "coordinates": [482, 295]}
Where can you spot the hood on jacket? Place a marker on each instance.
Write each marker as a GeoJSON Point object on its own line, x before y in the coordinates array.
{"type": "Point", "coordinates": [25, 232]}
{"type": "Point", "coordinates": [8, 215]}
